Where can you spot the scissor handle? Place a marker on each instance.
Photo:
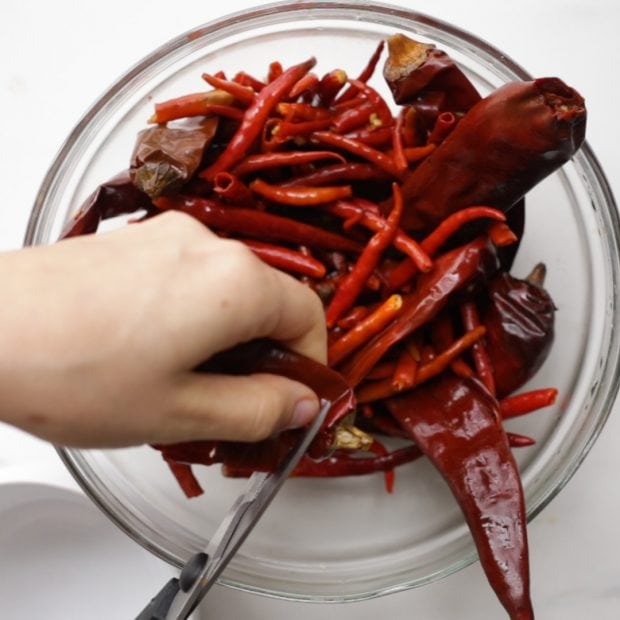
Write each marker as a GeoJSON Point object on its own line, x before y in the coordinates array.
{"type": "Point", "coordinates": [159, 607]}
{"type": "Point", "coordinates": [178, 600]}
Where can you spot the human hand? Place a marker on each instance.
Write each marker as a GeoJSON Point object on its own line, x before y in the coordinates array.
{"type": "Point", "coordinates": [100, 336]}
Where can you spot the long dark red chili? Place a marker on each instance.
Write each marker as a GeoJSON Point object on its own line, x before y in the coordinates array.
{"type": "Point", "coordinates": [478, 466]}
{"type": "Point", "coordinates": [257, 224]}
{"type": "Point", "coordinates": [537, 126]}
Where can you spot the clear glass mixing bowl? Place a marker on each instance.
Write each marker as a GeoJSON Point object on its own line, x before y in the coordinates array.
{"type": "Point", "coordinates": [346, 539]}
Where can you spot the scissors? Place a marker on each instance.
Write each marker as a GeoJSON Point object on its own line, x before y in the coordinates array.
{"type": "Point", "coordinates": [179, 597]}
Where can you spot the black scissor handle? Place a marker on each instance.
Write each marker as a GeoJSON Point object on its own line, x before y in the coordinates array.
{"type": "Point", "coordinates": [160, 605]}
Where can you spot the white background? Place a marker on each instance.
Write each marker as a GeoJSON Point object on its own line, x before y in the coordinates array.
{"type": "Point", "coordinates": [57, 57]}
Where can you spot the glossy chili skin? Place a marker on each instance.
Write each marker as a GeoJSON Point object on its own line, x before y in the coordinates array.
{"type": "Point", "coordinates": [500, 149]}
{"type": "Point", "coordinates": [451, 272]}
{"type": "Point", "coordinates": [455, 422]}
{"type": "Point", "coordinates": [118, 196]}
{"type": "Point", "coordinates": [519, 317]}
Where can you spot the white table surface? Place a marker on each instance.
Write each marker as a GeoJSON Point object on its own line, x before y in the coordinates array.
{"type": "Point", "coordinates": [57, 57]}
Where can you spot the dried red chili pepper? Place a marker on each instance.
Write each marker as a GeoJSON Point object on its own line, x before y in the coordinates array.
{"type": "Point", "coordinates": [436, 239]}
{"type": "Point", "coordinates": [365, 329]}
{"type": "Point", "coordinates": [515, 440]}
{"type": "Point", "coordinates": [254, 163]}
{"type": "Point", "coordinates": [165, 158]}
{"type": "Point", "coordinates": [383, 161]}
{"type": "Point", "coordinates": [482, 362]}
{"type": "Point", "coordinates": [275, 71]}
{"type": "Point", "coordinates": [451, 272]}
{"type": "Point", "coordinates": [258, 224]}
{"type": "Point", "coordinates": [245, 79]}
{"type": "Point", "coordinates": [185, 477]}
{"type": "Point", "coordinates": [297, 111]}
{"type": "Point", "coordinates": [353, 284]}
{"type": "Point", "coordinates": [373, 136]}
{"type": "Point", "coordinates": [418, 153]}
{"type": "Point", "coordinates": [365, 75]}
{"type": "Point", "coordinates": [267, 357]}
{"type": "Point", "coordinates": [217, 102]}
{"type": "Point", "coordinates": [287, 259]}
{"type": "Point", "coordinates": [300, 196]}
{"type": "Point", "coordinates": [347, 466]}
{"type": "Point", "coordinates": [330, 85]}
{"type": "Point", "coordinates": [406, 372]}
{"type": "Point", "coordinates": [371, 220]}
{"type": "Point", "coordinates": [477, 464]}
{"type": "Point", "coordinates": [380, 107]}
{"type": "Point", "coordinates": [535, 126]}
{"type": "Point", "coordinates": [398, 147]}
{"type": "Point", "coordinates": [414, 69]}
{"type": "Point", "coordinates": [349, 171]}
{"type": "Point", "coordinates": [232, 190]}
{"type": "Point", "coordinates": [255, 117]}
{"type": "Point", "coordinates": [353, 317]}
{"type": "Point", "coordinates": [520, 318]}
{"type": "Point", "coordinates": [520, 404]}
{"type": "Point", "coordinates": [306, 85]}
{"type": "Point", "coordinates": [118, 196]}
{"type": "Point", "coordinates": [429, 368]}
{"type": "Point", "coordinates": [243, 94]}
{"type": "Point", "coordinates": [442, 335]}
{"type": "Point", "coordinates": [443, 126]}
{"type": "Point", "coordinates": [241, 460]}
{"type": "Point", "coordinates": [501, 234]}
{"type": "Point", "coordinates": [353, 118]}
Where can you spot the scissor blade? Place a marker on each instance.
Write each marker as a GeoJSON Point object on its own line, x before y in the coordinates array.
{"type": "Point", "coordinates": [241, 519]}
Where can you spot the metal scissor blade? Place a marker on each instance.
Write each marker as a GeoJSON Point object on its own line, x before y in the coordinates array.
{"type": "Point", "coordinates": [239, 522]}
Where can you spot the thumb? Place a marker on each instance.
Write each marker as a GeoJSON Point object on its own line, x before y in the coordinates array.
{"type": "Point", "coordinates": [239, 408]}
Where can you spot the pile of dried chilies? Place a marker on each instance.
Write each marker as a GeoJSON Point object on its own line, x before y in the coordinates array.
{"type": "Point", "coordinates": [405, 224]}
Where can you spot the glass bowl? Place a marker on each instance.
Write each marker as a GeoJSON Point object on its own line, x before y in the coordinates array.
{"type": "Point", "coordinates": [346, 539]}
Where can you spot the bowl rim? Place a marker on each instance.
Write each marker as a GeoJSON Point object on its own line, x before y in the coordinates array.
{"type": "Point", "coordinates": [283, 12]}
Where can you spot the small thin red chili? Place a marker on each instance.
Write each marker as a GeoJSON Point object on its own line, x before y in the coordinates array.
{"type": "Point", "coordinates": [354, 282]}
{"type": "Point", "coordinates": [300, 196]}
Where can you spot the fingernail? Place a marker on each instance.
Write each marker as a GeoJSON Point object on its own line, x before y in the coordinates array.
{"type": "Point", "coordinates": [305, 411]}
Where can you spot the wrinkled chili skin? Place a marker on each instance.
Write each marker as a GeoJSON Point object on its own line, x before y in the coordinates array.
{"type": "Point", "coordinates": [428, 74]}
{"type": "Point", "coordinates": [519, 318]}
{"type": "Point", "coordinates": [118, 196]}
{"type": "Point", "coordinates": [498, 151]}
{"type": "Point", "coordinates": [455, 422]}
{"type": "Point", "coordinates": [166, 157]}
